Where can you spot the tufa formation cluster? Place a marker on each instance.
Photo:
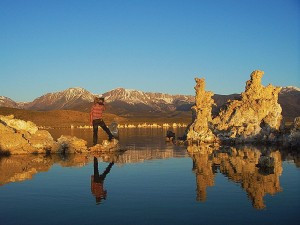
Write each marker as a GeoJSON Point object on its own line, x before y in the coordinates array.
{"type": "Point", "coordinates": [256, 117]}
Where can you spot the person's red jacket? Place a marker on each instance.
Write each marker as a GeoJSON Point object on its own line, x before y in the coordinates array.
{"type": "Point", "coordinates": [96, 112]}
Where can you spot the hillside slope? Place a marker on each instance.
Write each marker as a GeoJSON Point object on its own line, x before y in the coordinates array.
{"type": "Point", "coordinates": [56, 118]}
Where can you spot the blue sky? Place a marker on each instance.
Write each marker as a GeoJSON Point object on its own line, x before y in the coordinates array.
{"type": "Point", "coordinates": [153, 45]}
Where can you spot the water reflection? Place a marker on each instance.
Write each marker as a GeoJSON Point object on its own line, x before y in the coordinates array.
{"type": "Point", "coordinates": [240, 166]}
{"type": "Point", "coordinates": [17, 168]}
{"type": "Point", "coordinates": [97, 181]}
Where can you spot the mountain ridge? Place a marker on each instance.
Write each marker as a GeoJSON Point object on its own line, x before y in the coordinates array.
{"type": "Point", "coordinates": [131, 102]}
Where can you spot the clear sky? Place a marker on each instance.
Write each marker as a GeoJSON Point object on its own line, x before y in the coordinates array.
{"type": "Point", "coordinates": [149, 45]}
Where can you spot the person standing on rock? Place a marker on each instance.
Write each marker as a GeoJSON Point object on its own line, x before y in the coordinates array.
{"type": "Point", "coordinates": [97, 120]}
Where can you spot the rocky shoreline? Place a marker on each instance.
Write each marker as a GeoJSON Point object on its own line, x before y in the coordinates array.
{"type": "Point", "coordinates": [23, 137]}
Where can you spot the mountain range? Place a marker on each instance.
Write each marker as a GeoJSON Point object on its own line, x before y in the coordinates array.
{"type": "Point", "coordinates": [133, 103]}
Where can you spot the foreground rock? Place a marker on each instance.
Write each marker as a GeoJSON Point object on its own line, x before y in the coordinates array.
{"type": "Point", "coordinates": [21, 137]}
{"type": "Point", "coordinates": [43, 142]}
{"type": "Point", "coordinates": [20, 125]}
{"type": "Point", "coordinates": [106, 146]}
{"type": "Point", "coordinates": [256, 117]}
{"type": "Point", "coordinates": [69, 144]}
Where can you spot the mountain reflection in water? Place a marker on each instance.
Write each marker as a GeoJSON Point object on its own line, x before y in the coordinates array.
{"type": "Point", "coordinates": [238, 164]}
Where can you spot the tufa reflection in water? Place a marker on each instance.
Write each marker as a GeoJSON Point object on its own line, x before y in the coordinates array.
{"type": "Point", "coordinates": [18, 168]}
{"type": "Point", "coordinates": [240, 166]}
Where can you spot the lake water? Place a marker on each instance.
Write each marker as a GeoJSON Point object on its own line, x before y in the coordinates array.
{"type": "Point", "coordinates": [153, 182]}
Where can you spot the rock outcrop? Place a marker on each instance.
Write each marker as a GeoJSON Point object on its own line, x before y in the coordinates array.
{"type": "Point", "coordinates": [21, 137]}
{"type": "Point", "coordinates": [43, 142]}
{"type": "Point", "coordinates": [106, 146]}
{"type": "Point", "coordinates": [256, 117]}
{"type": "Point", "coordinates": [19, 125]}
{"type": "Point", "coordinates": [201, 128]}
{"type": "Point", "coordinates": [293, 138]}
{"type": "Point", "coordinates": [70, 144]}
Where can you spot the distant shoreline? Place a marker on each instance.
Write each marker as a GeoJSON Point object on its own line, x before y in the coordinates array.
{"type": "Point", "coordinates": [67, 118]}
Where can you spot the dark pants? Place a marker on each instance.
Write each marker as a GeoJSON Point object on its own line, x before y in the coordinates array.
{"type": "Point", "coordinates": [96, 123]}
{"type": "Point", "coordinates": [97, 177]}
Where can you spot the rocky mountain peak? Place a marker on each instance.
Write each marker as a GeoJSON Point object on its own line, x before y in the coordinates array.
{"type": "Point", "coordinates": [130, 96]}
{"type": "Point", "coordinates": [289, 89]}
{"type": "Point", "coordinates": [7, 102]}
{"type": "Point", "coordinates": [77, 92]}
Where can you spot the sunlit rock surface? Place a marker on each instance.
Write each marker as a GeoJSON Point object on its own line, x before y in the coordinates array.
{"type": "Point", "coordinates": [42, 141]}
{"type": "Point", "coordinates": [71, 144]}
{"type": "Point", "coordinates": [19, 125]}
{"type": "Point", "coordinates": [21, 137]}
{"type": "Point", "coordinates": [106, 146]}
{"type": "Point", "coordinates": [13, 142]}
{"type": "Point", "coordinates": [201, 128]}
{"type": "Point", "coordinates": [239, 165]}
{"type": "Point", "coordinates": [256, 117]}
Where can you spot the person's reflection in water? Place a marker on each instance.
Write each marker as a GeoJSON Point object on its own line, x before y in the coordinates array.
{"type": "Point", "coordinates": [97, 181]}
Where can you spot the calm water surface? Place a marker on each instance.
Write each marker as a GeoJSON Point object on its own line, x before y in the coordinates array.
{"type": "Point", "coordinates": [153, 182]}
